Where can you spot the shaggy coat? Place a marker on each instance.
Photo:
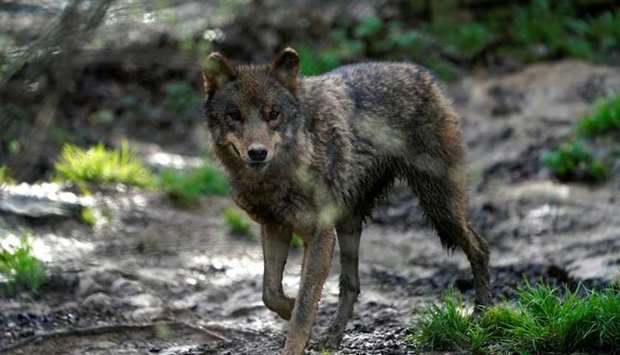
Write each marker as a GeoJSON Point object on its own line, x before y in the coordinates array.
{"type": "Point", "coordinates": [312, 155]}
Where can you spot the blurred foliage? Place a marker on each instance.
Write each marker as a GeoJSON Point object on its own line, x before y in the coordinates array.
{"type": "Point", "coordinates": [21, 269]}
{"type": "Point", "coordinates": [186, 187]}
{"type": "Point", "coordinates": [296, 241]}
{"type": "Point", "coordinates": [604, 119]}
{"type": "Point", "coordinates": [183, 101]}
{"type": "Point", "coordinates": [100, 165]}
{"type": "Point", "coordinates": [541, 319]}
{"type": "Point", "coordinates": [87, 216]}
{"type": "Point", "coordinates": [5, 176]}
{"type": "Point", "coordinates": [456, 38]}
{"type": "Point", "coordinates": [236, 223]}
{"type": "Point", "coordinates": [572, 160]}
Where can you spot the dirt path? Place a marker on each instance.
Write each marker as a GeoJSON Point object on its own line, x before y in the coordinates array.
{"type": "Point", "coordinates": [180, 269]}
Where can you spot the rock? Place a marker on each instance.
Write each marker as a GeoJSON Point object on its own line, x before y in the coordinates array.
{"type": "Point", "coordinates": [41, 200]}
{"type": "Point", "coordinates": [65, 282]}
{"type": "Point", "coordinates": [144, 315]}
{"type": "Point", "coordinates": [144, 300]}
{"type": "Point", "coordinates": [88, 286]}
{"type": "Point", "coordinates": [98, 301]}
{"type": "Point", "coordinates": [124, 287]}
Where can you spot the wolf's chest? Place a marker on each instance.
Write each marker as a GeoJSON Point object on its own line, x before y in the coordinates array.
{"type": "Point", "coordinates": [284, 206]}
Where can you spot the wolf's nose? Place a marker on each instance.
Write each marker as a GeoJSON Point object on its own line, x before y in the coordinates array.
{"type": "Point", "coordinates": [257, 153]}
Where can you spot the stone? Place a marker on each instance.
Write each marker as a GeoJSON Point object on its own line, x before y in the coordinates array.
{"type": "Point", "coordinates": [98, 301]}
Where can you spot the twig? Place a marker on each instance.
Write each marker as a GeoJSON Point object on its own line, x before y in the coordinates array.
{"type": "Point", "coordinates": [113, 328]}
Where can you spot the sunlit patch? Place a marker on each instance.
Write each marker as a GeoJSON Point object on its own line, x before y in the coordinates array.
{"type": "Point", "coordinates": [48, 247]}
{"type": "Point", "coordinates": [213, 34]}
{"type": "Point", "coordinates": [329, 215]}
{"type": "Point", "coordinates": [176, 161]}
{"type": "Point", "coordinates": [541, 217]}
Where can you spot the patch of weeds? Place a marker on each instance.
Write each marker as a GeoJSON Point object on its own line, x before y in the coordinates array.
{"type": "Point", "coordinates": [182, 100]}
{"type": "Point", "coordinates": [186, 187]}
{"type": "Point", "coordinates": [5, 176]}
{"type": "Point", "coordinates": [541, 319]}
{"type": "Point", "coordinates": [572, 161]}
{"type": "Point", "coordinates": [237, 224]}
{"type": "Point", "coordinates": [100, 165]}
{"type": "Point", "coordinates": [87, 216]}
{"type": "Point", "coordinates": [21, 269]}
{"type": "Point", "coordinates": [605, 118]}
{"type": "Point", "coordinates": [296, 241]}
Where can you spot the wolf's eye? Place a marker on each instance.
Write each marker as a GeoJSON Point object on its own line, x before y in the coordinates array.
{"type": "Point", "coordinates": [273, 115]}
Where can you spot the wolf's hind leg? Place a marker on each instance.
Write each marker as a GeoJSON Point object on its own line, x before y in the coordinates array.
{"type": "Point", "coordinates": [276, 241]}
{"type": "Point", "coordinates": [443, 200]}
{"type": "Point", "coordinates": [349, 231]}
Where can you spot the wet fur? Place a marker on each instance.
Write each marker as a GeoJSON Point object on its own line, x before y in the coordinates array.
{"type": "Point", "coordinates": [345, 137]}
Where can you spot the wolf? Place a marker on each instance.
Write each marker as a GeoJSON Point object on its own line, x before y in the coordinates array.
{"type": "Point", "coordinates": [312, 155]}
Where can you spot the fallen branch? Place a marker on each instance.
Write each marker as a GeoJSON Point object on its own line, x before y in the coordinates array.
{"type": "Point", "coordinates": [104, 329]}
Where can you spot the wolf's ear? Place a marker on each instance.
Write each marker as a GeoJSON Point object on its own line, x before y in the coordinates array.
{"type": "Point", "coordinates": [285, 67]}
{"type": "Point", "coordinates": [216, 71]}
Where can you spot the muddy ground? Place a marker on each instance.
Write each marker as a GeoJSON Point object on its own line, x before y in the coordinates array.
{"type": "Point", "coordinates": [152, 278]}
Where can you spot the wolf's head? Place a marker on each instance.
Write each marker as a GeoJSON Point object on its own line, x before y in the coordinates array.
{"type": "Point", "coordinates": [252, 111]}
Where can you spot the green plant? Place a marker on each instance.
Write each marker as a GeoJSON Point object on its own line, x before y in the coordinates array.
{"type": "Point", "coordinates": [5, 176]}
{"type": "Point", "coordinates": [186, 187]}
{"type": "Point", "coordinates": [21, 269]}
{"type": "Point", "coordinates": [605, 118]}
{"type": "Point", "coordinates": [296, 241]}
{"type": "Point", "coordinates": [236, 223]}
{"type": "Point", "coordinates": [100, 165]}
{"type": "Point", "coordinates": [88, 216]}
{"type": "Point", "coordinates": [573, 161]}
{"type": "Point", "coordinates": [541, 319]}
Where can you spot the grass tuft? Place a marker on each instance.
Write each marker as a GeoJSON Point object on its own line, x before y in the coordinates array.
{"type": "Point", "coordinates": [572, 160]}
{"type": "Point", "coordinates": [296, 242]}
{"type": "Point", "coordinates": [21, 269]}
{"type": "Point", "coordinates": [5, 176]}
{"type": "Point", "coordinates": [542, 319]}
{"type": "Point", "coordinates": [237, 224]}
{"type": "Point", "coordinates": [604, 119]}
{"type": "Point", "coordinates": [100, 165]}
{"type": "Point", "coordinates": [186, 187]}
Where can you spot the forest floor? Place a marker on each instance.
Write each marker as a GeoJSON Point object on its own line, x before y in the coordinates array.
{"type": "Point", "coordinates": [158, 279]}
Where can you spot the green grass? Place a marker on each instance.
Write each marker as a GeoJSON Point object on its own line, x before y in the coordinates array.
{"type": "Point", "coordinates": [236, 223]}
{"type": "Point", "coordinates": [5, 176]}
{"type": "Point", "coordinates": [100, 165]}
{"type": "Point", "coordinates": [572, 160]}
{"type": "Point", "coordinates": [87, 216]}
{"type": "Point", "coordinates": [21, 269]}
{"type": "Point", "coordinates": [186, 187]}
{"type": "Point", "coordinates": [605, 118]}
{"type": "Point", "coordinates": [541, 319]}
{"type": "Point", "coordinates": [296, 242]}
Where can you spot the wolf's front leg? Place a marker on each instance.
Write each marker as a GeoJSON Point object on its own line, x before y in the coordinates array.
{"type": "Point", "coordinates": [276, 241]}
{"type": "Point", "coordinates": [317, 262]}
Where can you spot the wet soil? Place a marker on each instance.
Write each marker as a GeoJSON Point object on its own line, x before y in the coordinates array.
{"type": "Point", "coordinates": [152, 278]}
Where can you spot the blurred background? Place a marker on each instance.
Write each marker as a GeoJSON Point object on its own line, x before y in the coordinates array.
{"type": "Point", "coordinates": [112, 210]}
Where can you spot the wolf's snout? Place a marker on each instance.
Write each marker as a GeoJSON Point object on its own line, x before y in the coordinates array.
{"type": "Point", "coordinates": [257, 153]}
